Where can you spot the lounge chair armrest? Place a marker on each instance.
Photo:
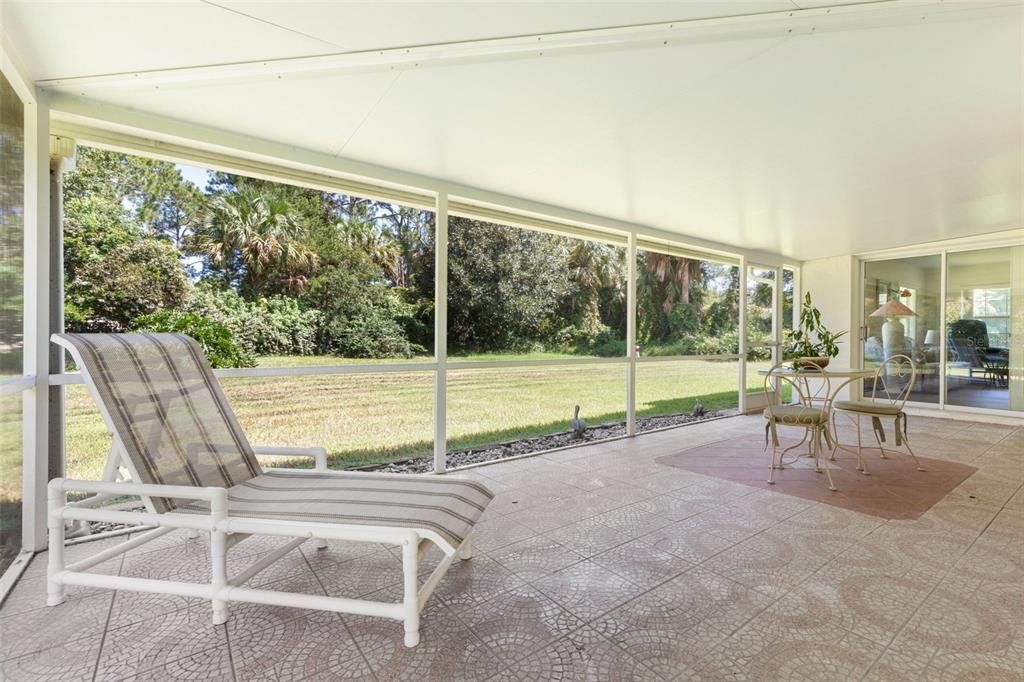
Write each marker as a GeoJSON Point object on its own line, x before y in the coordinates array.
{"type": "Point", "coordinates": [318, 455]}
{"type": "Point", "coordinates": [185, 492]}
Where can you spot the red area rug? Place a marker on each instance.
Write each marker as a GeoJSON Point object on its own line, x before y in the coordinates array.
{"type": "Point", "coordinates": [894, 490]}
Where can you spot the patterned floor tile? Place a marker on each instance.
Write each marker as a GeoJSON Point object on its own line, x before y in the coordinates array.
{"type": "Point", "coordinates": [159, 641]}
{"type": "Point", "coordinates": [73, 660]}
{"type": "Point", "coordinates": [535, 557]}
{"type": "Point", "coordinates": [50, 626]}
{"type": "Point", "coordinates": [587, 589]}
{"type": "Point", "coordinates": [672, 626]}
{"type": "Point", "coordinates": [588, 537]}
{"type": "Point", "coordinates": [689, 540]}
{"type": "Point", "coordinates": [520, 621]}
{"type": "Point", "coordinates": [301, 649]}
{"type": "Point", "coordinates": [498, 532]}
{"type": "Point", "coordinates": [210, 665]}
{"type": "Point", "coordinates": [583, 656]}
{"type": "Point", "coordinates": [762, 652]}
{"type": "Point", "coordinates": [448, 650]}
{"type": "Point", "coordinates": [641, 563]}
{"type": "Point", "coordinates": [956, 629]}
{"type": "Point", "coordinates": [770, 561]}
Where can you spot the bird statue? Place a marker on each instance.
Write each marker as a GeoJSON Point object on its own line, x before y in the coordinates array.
{"type": "Point", "coordinates": [579, 427]}
{"type": "Point", "coordinates": [698, 409]}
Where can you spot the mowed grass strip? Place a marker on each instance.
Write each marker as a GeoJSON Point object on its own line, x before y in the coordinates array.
{"type": "Point", "coordinates": [365, 418]}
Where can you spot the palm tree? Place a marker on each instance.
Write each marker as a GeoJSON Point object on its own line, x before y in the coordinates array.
{"type": "Point", "coordinates": [366, 236]}
{"type": "Point", "coordinates": [593, 267]}
{"type": "Point", "coordinates": [248, 235]}
{"type": "Point", "coordinates": [676, 274]}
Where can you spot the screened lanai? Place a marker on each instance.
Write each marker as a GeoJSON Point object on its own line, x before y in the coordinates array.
{"type": "Point", "coordinates": [632, 274]}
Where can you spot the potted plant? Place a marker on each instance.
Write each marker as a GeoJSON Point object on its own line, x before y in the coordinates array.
{"type": "Point", "coordinates": [811, 341]}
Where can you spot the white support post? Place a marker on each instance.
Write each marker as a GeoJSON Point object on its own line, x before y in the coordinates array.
{"type": "Point", "coordinates": [441, 334]}
{"type": "Point", "coordinates": [35, 466]}
{"type": "Point", "coordinates": [742, 377]}
{"type": "Point", "coordinates": [411, 597]}
{"type": "Point", "coordinates": [777, 317]}
{"type": "Point", "coordinates": [631, 335]}
{"type": "Point", "coordinates": [943, 341]}
{"type": "Point", "coordinates": [62, 160]}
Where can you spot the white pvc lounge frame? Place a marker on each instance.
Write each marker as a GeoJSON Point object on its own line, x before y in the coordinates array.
{"type": "Point", "coordinates": [225, 531]}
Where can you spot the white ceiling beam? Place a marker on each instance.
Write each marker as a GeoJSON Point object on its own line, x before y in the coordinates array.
{"type": "Point", "coordinates": [797, 22]}
{"type": "Point", "coordinates": [70, 114]}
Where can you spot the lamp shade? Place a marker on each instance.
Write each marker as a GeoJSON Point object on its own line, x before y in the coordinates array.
{"type": "Point", "coordinates": [931, 337]}
{"type": "Point", "coordinates": [893, 309]}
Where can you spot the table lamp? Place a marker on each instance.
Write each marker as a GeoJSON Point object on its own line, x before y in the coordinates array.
{"type": "Point", "coordinates": [892, 330]}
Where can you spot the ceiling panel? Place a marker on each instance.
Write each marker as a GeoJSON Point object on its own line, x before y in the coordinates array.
{"type": "Point", "coordinates": [66, 39]}
{"type": "Point", "coordinates": [369, 25]}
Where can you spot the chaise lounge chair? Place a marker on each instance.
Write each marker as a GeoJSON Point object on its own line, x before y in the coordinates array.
{"type": "Point", "coordinates": [189, 461]}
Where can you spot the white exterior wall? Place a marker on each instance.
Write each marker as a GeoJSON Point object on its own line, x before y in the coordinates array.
{"type": "Point", "coordinates": [833, 283]}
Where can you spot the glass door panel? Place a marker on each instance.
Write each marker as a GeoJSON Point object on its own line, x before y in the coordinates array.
{"type": "Point", "coordinates": [984, 320]}
{"type": "Point", "coordinates": [762, 331]}
{"type": "Point", "coordinates": [901, 317]}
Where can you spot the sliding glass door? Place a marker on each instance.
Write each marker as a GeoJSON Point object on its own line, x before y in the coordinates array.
{"type": "Point", "coordinates": [959, 316]}
{"type": "Point", "coordinates": [901, 317]}
{"type": "Point", "coordinates": [984, 319]}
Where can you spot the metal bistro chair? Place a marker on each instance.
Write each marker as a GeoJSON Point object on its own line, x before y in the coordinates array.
{"type": "Point", "coordinates": [890, 388]}
{"type": "Point", "coordinates": [808, 411]}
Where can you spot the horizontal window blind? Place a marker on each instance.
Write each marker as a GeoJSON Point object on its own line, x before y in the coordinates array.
{"type": "Point", "coordinates": [683, 252]}
{"type": "Point", "coordinates": [504, 217]}
{"type": "Point", "coordinates": [228, 163]}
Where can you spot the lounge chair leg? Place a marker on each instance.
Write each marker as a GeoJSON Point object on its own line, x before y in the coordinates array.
{"type": "Point", "coordinates": [219, 561]}
{"type": "Point", "coordinates": [466, 548]}
{"type": "Point", "coordinates": [55, 561]}
{"type": "Point", "coordinates": [410, 601]}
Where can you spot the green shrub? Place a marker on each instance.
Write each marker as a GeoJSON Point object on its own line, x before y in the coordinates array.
{"type": "Point", "coordinates": [217, 341]}
{"type": "Point", "coordinates": [134, 279]}
{"type": "Point", "coordinates": [360, 317]}
{"type": "Point", "coordinates": [607, 344]}
{"type": "Point", "coordinates": [268, 326]}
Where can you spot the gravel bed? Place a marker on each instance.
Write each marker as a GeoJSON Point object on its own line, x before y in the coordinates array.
{"type": "Point", "coordinates": [525, 446]}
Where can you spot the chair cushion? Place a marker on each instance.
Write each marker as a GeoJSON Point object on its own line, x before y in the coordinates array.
{"type": "Point", "coordinates": [866, 407]}
{"type": "Point", "coordinates": [446, 505]}
{"type": "Point", "coordinates": [796, 414]}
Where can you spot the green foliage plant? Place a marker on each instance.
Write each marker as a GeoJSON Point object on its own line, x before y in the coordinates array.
{"type": "Point", "coordinates": [812, 339]}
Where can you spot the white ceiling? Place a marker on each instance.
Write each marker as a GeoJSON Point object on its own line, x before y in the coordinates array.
{"type": "Point", "coordinates": [806, 145]}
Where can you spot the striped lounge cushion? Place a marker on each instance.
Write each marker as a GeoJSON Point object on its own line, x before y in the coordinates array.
{"type": "Point", "coordinates": [447, 506]}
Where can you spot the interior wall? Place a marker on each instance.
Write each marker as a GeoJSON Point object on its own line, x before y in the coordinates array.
{"type": "Point", "coordinates": [832, 285]}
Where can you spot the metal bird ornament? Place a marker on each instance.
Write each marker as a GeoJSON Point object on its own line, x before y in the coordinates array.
{"type": "Point", "coordinates": [579, 427]}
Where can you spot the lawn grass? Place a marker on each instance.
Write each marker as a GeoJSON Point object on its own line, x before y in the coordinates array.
{"type": "Point", "coordinates": [366, 418]}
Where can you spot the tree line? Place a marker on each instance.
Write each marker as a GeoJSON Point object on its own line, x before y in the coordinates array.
{"type": "Point", "coordinates": [251, 267]}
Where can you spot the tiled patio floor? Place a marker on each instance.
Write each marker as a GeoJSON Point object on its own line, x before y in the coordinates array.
{"type": "Point", "coordinates": [599, 563]}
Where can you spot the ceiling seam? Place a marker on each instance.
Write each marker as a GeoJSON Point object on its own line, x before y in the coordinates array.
{"type": "Point", "coordinates": [369, 112]}
{"type": "Point", "coordinates": [271, 23]}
